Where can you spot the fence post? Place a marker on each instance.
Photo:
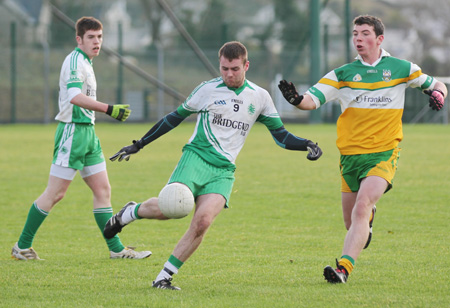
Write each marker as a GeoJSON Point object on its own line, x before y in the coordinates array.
{"type": "Point", "coordinates": [315, 70]}
{"type": "Point", "coordinates": [46, 50]}
{"type": "Point", "coordinates": [160, 50]}
{"type": "Point", "coordinates": [120, 68]}
{"type": "Point", "coordinates": [13, 72]}
{"type": "Point", "coordinates": [348, 31]}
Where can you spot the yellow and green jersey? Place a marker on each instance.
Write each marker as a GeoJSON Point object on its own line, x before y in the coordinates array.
{"type": "Point", "coordinates": [372, 99]}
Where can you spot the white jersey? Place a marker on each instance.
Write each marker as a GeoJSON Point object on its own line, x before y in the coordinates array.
{"type": "Point", "coordinates": [76, 71]}
{"type": "Point", "coordinates": [225, 117]}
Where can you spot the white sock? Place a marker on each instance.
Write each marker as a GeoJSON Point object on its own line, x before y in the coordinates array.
{"type": "Point", "coordinates": [129, 216]}
{"type": "Point", "coordinates": [171, 267]}
{"type": "Point", "coordinates": [164, 274]}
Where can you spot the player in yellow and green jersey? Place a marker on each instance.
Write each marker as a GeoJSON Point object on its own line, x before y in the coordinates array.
{"type": "Point", "coordinates": [371, 92]}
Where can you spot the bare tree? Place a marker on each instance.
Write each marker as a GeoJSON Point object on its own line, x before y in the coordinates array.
{"type": "Point", "coordinates": [155, 16]}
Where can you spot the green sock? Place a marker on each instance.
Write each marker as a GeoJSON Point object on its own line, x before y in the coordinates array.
{"type": "Point", "coordinates": [102, 215]}
{"type": "Point", "coordinates": [136, 209]}
{"type": "Point", "coordinates": [34, 220]}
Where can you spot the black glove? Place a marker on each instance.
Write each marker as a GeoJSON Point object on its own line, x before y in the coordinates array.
{"type": "Point", "coordinates": [125, 152]}
{"type": "Point", "coordinates": [314, 152]}
{"type": "Point", "coordinates": [290, 93]}
{"type": "Point", "coordinates": [436, 99]}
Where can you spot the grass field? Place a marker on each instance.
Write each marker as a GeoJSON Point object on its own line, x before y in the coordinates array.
{"type": "Point", "coordinates": [267, 250]}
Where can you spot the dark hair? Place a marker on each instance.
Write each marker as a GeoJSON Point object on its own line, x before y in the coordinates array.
{"type": "Point", "coordinates": [373, 21]}
{"type": "Point", "coordinates": [87, 23]}
{"type": "Point", "coordinates": [233, 50]}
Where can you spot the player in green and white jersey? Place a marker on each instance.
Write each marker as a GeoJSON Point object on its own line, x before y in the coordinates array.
{"type": "Point", "coordinates": [371, 92]}
{"type": "Point", "coordinates": [226, 108]}
{"type": "Point", "coordinates": [76, 144]}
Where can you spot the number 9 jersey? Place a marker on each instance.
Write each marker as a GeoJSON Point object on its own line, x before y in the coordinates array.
{"type": "Point", "coordinates": [225, 117]}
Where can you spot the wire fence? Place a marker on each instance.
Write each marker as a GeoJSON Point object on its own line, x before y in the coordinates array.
{"type": "Point", "coordinates": [30, 78]}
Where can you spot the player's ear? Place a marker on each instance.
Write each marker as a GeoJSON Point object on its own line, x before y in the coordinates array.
{"type": "Point", "coordinates": [380, 39]}
{"type": "Point", "coordinates": [79, 40]}
{"type": "Point", "coordinates": [246, 65]}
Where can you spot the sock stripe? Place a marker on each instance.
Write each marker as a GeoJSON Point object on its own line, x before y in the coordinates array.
{"type": "Point", "coordinates": [168, 271]}
{"type": "Point", "coordinates": [348, 258]}
{"type": "Point", "coordinates": [347, 264]}
{"type": "Point", "coordinates": [103, 210]}
{"type": "Point", "coordinates": [39, 209]}
{"type": "Point", "coordinates": [175, 262]}
{"type": "Point", "coordinates": [136, 208]}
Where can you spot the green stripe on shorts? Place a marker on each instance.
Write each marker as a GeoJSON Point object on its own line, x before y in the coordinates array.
{"type": "Point", "coordinates": [76, 146]}
{"type": "Point", "coordinates": [201, 177]}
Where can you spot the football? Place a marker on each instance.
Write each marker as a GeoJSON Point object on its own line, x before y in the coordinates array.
{"type": "Point", "coordinates": [176, 200]}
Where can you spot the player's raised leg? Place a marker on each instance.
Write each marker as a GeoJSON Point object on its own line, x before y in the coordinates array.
{"type": "Point", "coordinates": [130, 212]}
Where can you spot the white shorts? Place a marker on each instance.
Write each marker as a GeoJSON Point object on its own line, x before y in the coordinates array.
{"type": "Point", "coordinates": [69, 173]}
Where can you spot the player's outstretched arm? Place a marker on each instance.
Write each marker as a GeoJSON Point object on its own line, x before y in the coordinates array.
{"type": "Point", "coordinates": [163, 126]}
{"type": "Point", "coordinates": [289, 141]}
{"type": "Point", "coordinates": [118, 112]}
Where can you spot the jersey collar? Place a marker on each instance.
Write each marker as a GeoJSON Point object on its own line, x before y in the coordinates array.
{"type": "Point", "coordinates": [85, 55]}
{"type": "Point", "coordinates": [384, 53]}
{"type": "Point", "coordinates": [236, 90]}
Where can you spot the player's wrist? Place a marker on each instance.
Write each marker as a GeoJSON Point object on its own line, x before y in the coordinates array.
{"type": "Point", "coordinates": [295, 101]}
{"type": "Point", "coordinates": [138, 143]}
{"type": "Point", "coordinates": [440, 91]}
{"type": "Point", "coordinates": [109, 110]}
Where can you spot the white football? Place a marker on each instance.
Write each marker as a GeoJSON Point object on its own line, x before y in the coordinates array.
{"type": "Point", "coordinates": [176, 200]}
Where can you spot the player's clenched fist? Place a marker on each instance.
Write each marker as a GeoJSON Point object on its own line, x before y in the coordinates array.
{"type": "Point", "coordinates": [314, 152]}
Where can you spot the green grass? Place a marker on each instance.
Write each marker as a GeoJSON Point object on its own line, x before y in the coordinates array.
{"type": "Point", "coordinates": [267, 250]}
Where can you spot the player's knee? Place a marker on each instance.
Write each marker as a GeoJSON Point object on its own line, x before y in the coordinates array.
{"type": "Point", "coordinates": [103, 192]}
{"type": "Point", "coordinates": [361, 211]}
{"type": "Point", "coordinates": [107, 189]}
{"type": "Point", "coordinates": [56, 197]}
{"type": "Point", "coordinates": [201, 225]}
